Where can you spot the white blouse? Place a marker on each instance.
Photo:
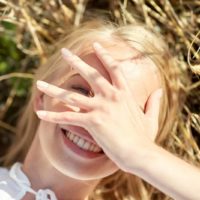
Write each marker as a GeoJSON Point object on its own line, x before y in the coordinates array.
{"type": "Point", "coordinates": [14, 184]}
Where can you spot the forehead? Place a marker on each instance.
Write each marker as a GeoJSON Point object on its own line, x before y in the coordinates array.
{"type": "Point", "coordinates": [132, 62]}
{"type": "Point", "coordinates": [117, 50]}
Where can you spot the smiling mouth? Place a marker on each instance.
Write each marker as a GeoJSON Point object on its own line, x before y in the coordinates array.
{"type": "Point", "coordinates": [81, 142]}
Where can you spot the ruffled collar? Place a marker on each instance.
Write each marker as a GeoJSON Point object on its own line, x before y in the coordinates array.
{"type": "Point", "coordinates": [22, 180]}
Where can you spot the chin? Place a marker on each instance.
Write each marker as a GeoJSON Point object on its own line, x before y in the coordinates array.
{"type": "Point", "coordinates": [83, 174]}
{"type": "Point", "coordinates": [74, 153]}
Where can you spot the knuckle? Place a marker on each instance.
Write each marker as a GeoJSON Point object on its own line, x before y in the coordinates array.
{"type": "Point", "coordinates": [73, 97]}
{"type": "Point", "coordinates": [93, 75]}
{"type": "Point", "coordinates": [96, 120]}
{"type": "Point", "coordinates": [114, 65]}
{"type": "Point", "coordinates": [75, 60]}
{"type": "Point", "coordinates": [60, 95]}
{"type": "Point", "coordinates": [116, 96]}
{"type": "Point", "coordinates": [65, 117]}
{"type": "Point", "coordinates": [105, 55]}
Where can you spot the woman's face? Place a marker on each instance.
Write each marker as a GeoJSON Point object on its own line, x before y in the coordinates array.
{"type": "Point", "coordinates": [79, 156]}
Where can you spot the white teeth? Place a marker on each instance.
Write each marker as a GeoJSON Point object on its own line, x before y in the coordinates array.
{"type": "Point", "coordinates": [68, 134]}
{"type": "Point", "coordinates": [75, 140]}
{"type": "Point", "coordinates": [71, 136]}
{"type": "Point", "coordinates": [91, 147]}
{"type": "Point", "coordinates": [86, 145]}
{"type": "Point", "coordinates": [96, 149]}
{"type": "Point", "coordinates": [82, 143]}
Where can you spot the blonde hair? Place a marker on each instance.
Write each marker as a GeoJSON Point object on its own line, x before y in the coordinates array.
{"type": "Point", "coordinates": [120, 185]}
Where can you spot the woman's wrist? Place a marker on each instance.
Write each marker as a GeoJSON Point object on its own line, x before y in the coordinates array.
{"type": "Point", "coordinates": [143, 159]}
{"type": "Point", "coordinates": [166, 171]}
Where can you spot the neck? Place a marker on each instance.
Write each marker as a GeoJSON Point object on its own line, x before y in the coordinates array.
{"type": "Point", "coordinates": [42, 176]}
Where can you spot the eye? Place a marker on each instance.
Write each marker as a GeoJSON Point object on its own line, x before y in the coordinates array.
{"type": "Point", "coordinates": [82, 90]}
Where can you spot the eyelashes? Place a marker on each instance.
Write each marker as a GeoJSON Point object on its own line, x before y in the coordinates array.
{"type": "Point", "coordinates": [83, 90]}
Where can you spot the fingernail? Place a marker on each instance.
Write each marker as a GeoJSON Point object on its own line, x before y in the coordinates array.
{"type": "Point", "coordinates": [66, 52]}
{"type": "Point", "coordinates": [41, 113]}
{"type": "Point", "coordinates": [42, 84]}
{"type": "Point", "coordinates": [96, 45]}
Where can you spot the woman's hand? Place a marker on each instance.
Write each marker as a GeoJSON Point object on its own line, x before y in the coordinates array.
{"type": "Point", "coordinates": [123, 130]}
{"type": "Point", "coordinates": [120, 127]}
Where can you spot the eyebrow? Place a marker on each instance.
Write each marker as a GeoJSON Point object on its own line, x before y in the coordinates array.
{"type": "Point", "coordinates": [77, 74]}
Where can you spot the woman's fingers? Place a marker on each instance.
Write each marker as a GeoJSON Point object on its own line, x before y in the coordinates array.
{"type": "Point", "coordinates": [65, 96]}
{"type": "Point", "coordinates": [111, 65]}
{"type": "Point", "coordinates": [72, 118]}
{"type": "Point", "coordinates": [94, 78]}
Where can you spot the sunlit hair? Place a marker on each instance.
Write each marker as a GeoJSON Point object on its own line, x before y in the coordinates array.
{"type": "Point", "coordinates": [137, 36]}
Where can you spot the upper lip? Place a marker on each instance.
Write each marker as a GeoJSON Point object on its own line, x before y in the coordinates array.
{"type": "Point", "coordinates": [79, 131]}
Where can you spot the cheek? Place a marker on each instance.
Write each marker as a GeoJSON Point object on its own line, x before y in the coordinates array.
{"type": "Point", "coordinates": [52, 104]}
{"type": "Point", "coordinates": [142, 82]}
{"type": "Point", "coordinates": [140, 94]}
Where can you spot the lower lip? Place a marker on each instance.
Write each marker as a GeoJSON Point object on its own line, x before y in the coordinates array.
{"type": "Point", "coordinates": [78, 150]}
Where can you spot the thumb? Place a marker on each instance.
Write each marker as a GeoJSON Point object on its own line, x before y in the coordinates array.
{"type": "Point", "coordinates": [153, 105]}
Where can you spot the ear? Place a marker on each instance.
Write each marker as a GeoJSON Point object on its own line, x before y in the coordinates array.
{"type": "Point", "coordinates": [38, 102]}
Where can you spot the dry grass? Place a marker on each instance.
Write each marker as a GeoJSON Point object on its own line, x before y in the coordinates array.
{"type": "Point", "coordinates": [41, 23]}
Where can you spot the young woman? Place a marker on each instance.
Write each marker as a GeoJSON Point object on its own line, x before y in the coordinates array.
{"type": "Point", "coordinates": [95, 112]}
